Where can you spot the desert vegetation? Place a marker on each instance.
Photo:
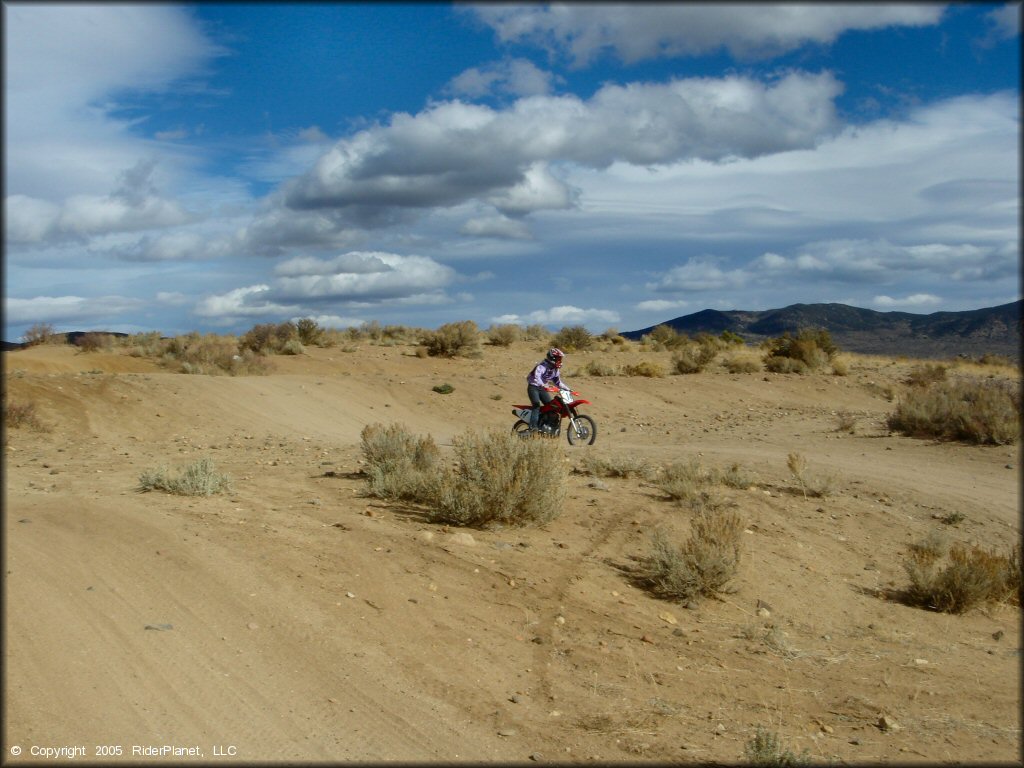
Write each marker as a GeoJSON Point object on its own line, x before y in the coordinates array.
{"type": "Point", "coordinates": [200, 478]}
{"type": "Point", "coordinates": [22, 415]}
{"type": "Point", "coordinates": [810, 349]}
{"type": "Point", "coordinates": [701, 565]}
{"type": "Point", "coordinates": [983, 411]}
{"type": "Point", "coordinates": [954, 578]}
{"type": "Point", "coordinates": [495, 478]}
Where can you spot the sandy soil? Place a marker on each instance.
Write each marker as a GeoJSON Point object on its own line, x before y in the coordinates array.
{"type": "Point", "coordinates": [298, 619]}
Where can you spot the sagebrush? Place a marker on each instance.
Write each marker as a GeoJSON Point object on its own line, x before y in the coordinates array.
{"type": "Point", "coordinates": [983, 411]}
{"type": "Point", "coordinates": [701, 566]}
{"type": "Point", "coordinates": [200, 478]}
{"type": "Point", "coordinates": [399, 465]}
{"type": "Point", "coordinates": [500, 479]}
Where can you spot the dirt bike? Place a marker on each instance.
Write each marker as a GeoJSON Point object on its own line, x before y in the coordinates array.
{"type": "Point", "coordinates": [582, 429]}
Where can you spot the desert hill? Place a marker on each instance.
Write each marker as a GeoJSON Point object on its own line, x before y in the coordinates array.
{"type": "Point", "coordinates": [297, 619]}
{"type": "Point", "coordinates": [993, 330]}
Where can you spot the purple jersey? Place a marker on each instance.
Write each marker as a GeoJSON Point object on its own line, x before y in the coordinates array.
{"type": "Point", "coordinates": [543, 375]}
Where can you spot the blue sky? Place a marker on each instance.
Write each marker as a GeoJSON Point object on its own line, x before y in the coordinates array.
{"type": "Point", "coordinates": [209, 167]}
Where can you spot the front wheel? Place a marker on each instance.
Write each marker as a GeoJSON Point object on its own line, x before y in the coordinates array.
{"type": "Point", "coordinates": [582, 431]}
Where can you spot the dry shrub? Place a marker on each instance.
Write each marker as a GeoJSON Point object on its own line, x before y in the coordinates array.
{"type": "Point", "coordinates": [663, 337]}
{"type": "Point", "coordinates": [811, 484]}
{"type": "Point", "coordinates": [502, 335]}
{"type": "Point", "coordinates": [536, 332]}
{"type": "Point", "coordinates": [197, 479]}
{"type": "Point", "coordinates": [981, 411]}
{"type": "Point", "coordinates": [309, 332]}
{"type": "Point", "coordinates": [765, 749]}
{"type": "Point", "coordinates": [613, 336]}
{"type": "Point", "coordinates": [734, 477]}
{"type": "Point", "coordinates": [811, 346]}
{"type": "Point", "coordinates": [148, 344]}
{"type": "Point", "coordinates": [701, 566]}
{"type": "Point", "coordinates": [926, 375]}
{"type": "Point", "coordinates": [777, 364]}
{"type": "Point", "coordinates": [694, 358]}
{"type": "Point", "coordinates": [40, 333]}
{"type": "Point", "coordinates": [599, 368]}
{"type": "Point", "coordinates": [211, 354]}
{"type": "Point", "coordinates": [957, 578]}
{"type": "Point", "coordinates": [645, 368]}
{"type": "Point", "coordinates": [840, 366]}
{"type": "Point", "coordinates": [18, 415]}
{"type": "Point", "coordinates": [500, 479]}
{"type": "Point", "coordinates": [686, 483]}
{"type": "Point", "coordinates": [452, 340]}
{"type": "Point", "coordinates": [399, 464]}
{"type": "Point", "coordinates": [573, 338]}
{"type": "Point", "coordinates": [94, 341]}
{"type": "Point", "coordinates": [618, 466]}
{"type": "Point", "coordinates": [742, 362]}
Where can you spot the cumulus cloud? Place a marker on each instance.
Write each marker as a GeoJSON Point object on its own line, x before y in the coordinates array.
{"type": "Point", "coordinates": [454, 152]}
{"type": "Point", "coordinates": [360, 276]}
{"type": "Point", "coordinates": [304, 285]}
{"type": "Point", "coordinates": [248, 302]}
{"type": "Point", "coordinates": [518, 77]}
{"type": "Point", "coordinates": [135, 205]}
{"type": "Point", "coordinates": [562, 315]}
{"type": "Point", "coordinates": [643, 31]}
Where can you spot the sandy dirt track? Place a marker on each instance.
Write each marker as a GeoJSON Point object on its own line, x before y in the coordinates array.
{"type": "Point", "coordinates": [298, 619]}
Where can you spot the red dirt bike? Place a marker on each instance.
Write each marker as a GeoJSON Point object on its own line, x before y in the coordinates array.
{"type": "Point", "coordinates": [582, 429]}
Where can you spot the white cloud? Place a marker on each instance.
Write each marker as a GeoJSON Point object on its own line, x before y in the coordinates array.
{"type": "Point", "coordinates": [642, 31]}
{"type": "Point", "coordinates": [916, 301]}
{"type": "Point", "coordinates": [250, 301]}
{"type": "Point", "coordinates": [62, 64]}
{"type": "Point", "coordinates": [360, 276]}
{"type": "Point", "coordinates": [1004, 23]}
{"type": "Point", "coordinates": [563, 315]}
{"type": "Point", "coordinates": [66, 309]}
{"type": "Point", "coordinates": [454, 152]}
{"type": "Point", "coordinates": [518, 77]}
{"type": "Point", "coordinates": [699, 274]}
{"type": "Point", "coordinates": [334, 321]}
{"type": "Point", "coordinates": [661, 305]}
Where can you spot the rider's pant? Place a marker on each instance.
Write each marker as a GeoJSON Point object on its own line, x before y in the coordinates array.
{"type": "Point", "coordinates": [538, 397]}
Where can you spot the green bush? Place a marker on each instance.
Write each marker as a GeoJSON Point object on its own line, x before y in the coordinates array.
{"type": "Point", "coordinates": [452, 340]}
{"type": "Point", "coordinates": [981, 411]}
{"type": "Point", "coordinates": [443, 389]}
{"type": "Point", "coordinates": [500, 479]}
{"type": "Point", "coordinates": [197, 479]}
{"type": "Point", "coordinates": [398, 464]}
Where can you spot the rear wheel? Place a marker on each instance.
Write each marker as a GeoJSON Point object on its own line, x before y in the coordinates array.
{"type": "Point", "coordinates": [521, 428]}
{"type": "Point", "coordinates": [581, 431]}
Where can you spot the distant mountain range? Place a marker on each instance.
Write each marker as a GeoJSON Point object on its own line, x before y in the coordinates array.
{"type": "Point", "coordinates": [995, 330]}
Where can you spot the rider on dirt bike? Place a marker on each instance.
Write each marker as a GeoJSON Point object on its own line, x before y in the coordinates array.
{"type": "Point", "coordinates": [543, 375]}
